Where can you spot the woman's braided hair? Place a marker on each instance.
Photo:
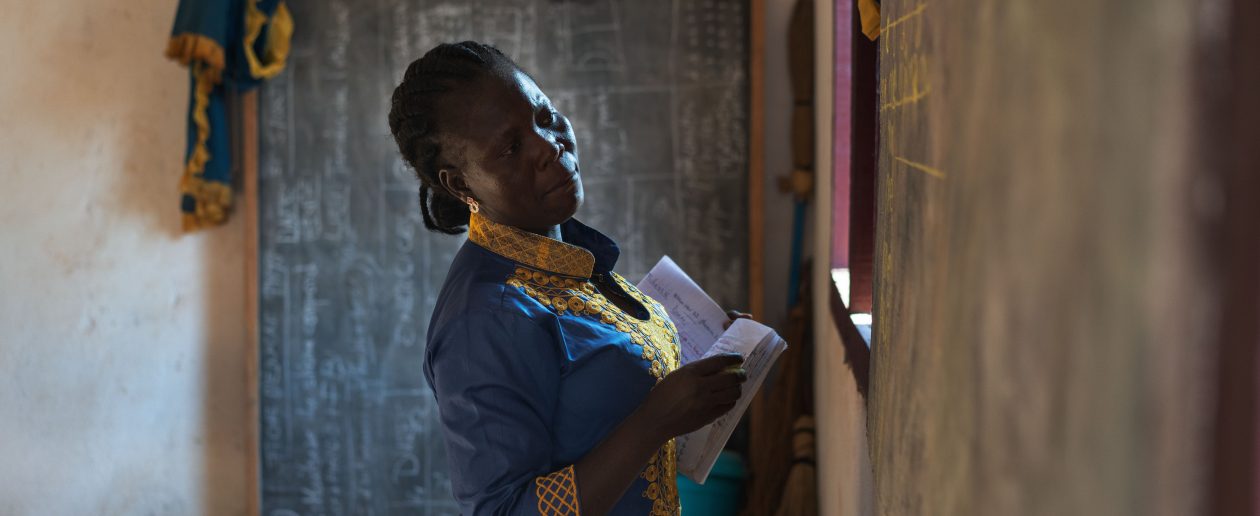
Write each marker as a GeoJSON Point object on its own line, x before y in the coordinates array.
{"type": "Point", "coordinates": [413, 121]}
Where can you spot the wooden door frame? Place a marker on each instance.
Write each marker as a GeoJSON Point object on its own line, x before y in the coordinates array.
{"type": "Point", "coordinates": [756, 157]}
{"type": "Point", "coordinates": [244, 114]}
{"type": "Point", "coordinates": [1233, 120]}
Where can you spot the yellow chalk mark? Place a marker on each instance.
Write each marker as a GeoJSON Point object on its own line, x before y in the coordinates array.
{"type": "Point", "coordinates": [913, 12]}
{"type": "Point", "coordinates": [905, 101]}
{"type": "Point", "coordinates": [931, 171]}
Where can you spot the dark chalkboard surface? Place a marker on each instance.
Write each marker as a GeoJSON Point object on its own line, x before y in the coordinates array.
{"type": "Point", "coordinates": [1043, 283]}
{"type": "Point", "coordinates": [657, 92]}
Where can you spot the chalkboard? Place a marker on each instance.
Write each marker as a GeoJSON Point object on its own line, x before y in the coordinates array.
{"type": "Point", "coordinates": [1044, 289]}
{"type": "Point", "coordinates": [657, 92]}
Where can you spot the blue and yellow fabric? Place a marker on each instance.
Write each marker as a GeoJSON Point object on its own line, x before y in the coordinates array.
{"type": "Point", "coordinates": [532, 366]}
{"type": "Point", "coordinates": [225, 44]}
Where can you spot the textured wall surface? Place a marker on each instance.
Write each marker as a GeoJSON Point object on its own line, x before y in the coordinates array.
{"type": "Point", "coordinates": [844, 466]}
{"type": "Point", "coordinates": [121, 340]}
{"type": "Point", "coordinates": [1044, 315]}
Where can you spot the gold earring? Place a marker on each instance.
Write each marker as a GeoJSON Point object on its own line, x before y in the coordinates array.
{"type": "Point", "coordinates": [473, 206]}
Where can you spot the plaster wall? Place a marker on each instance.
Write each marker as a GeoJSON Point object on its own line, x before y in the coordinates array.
{"type": "Point", "coordinates": [122, 385]}
{"type": "Point", "coordinates": [845, 486]}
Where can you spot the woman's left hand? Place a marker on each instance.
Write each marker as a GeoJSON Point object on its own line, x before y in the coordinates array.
{"type": "Point", "coordinates": [735, 314]}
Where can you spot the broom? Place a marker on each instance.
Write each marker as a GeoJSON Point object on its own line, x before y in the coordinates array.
{"type": "Point", "coordinates": [789, 393]}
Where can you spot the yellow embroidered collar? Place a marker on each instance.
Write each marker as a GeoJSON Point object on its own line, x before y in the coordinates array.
{"type": "Point", "coordinates": [530, 249]}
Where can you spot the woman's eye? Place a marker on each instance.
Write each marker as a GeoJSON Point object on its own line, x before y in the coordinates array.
{"type": "Point", "coordinates": [547, 118]}
{"type": "Point", "coordinates": [511, 149]}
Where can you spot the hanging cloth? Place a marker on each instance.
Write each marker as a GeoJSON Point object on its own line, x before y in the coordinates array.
{"type": "Point", "coordinates": [225, 44]}
{"type": "Point", "coordinates": [868, 12]}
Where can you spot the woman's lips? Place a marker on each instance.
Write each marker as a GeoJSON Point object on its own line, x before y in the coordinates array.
{"type": "Point", "coordinates": [568, 184]}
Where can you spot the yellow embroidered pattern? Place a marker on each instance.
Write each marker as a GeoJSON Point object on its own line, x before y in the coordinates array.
{"type": "Point", "coordinates": [661, 474]}
{"type": "Point", "coordinates": [533, 250]}
{"type": "Point", "coordinates": [657, 336]}
{"type": "Point", "coordinates": [557, 493]}
{"type": "Point", "coordinates": [556, 274]}
{"type": "Point", "coordinates": [279, 34]}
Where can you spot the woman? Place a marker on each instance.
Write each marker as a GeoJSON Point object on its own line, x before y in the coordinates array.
{"type": "Point", "coordinates": [557, 381]}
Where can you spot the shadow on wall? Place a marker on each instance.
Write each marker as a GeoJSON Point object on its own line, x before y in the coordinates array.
{"type": "Point", "coordinates": [148, 193]}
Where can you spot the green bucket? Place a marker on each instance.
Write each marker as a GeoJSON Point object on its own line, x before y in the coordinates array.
{"type": "Point", "coordinates": [721, 493]}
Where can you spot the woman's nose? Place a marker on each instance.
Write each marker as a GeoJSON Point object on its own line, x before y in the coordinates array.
{"type": "Point", "coordinates": [559, 149]}
{"type": "Point", "coordinates": [552, 151]}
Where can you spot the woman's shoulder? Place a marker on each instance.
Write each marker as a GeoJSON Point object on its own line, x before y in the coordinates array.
{"type": "Point", "coordinates": [479, 286]}
{"type": "Point", "coordinates": [491, 339]}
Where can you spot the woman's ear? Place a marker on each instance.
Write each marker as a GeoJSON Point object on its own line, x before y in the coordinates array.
{"type": "Point", "coordinates": [453, 181]}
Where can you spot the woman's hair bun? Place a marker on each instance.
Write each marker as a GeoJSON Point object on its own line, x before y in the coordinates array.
{"type": "Point", "coordinates": [416, 129]}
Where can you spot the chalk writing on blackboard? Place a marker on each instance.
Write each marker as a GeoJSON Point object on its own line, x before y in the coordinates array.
{"type": "Point", "coordinates": [906, 83]}
{"type": "Point", "coordinates": [348, 276]}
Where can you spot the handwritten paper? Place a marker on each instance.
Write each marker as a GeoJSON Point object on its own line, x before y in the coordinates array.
{"type": "Point", "coordinates": [699, 320]}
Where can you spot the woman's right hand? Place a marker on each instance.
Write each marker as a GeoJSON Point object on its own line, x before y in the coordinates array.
{"type": "Point", "coordinates": [694, 395]}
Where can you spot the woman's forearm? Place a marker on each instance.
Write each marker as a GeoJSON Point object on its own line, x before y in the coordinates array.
{"type": "Point", "coordinates": [605, 473]}
{"type": "Point", "coordinates": [686, 399]}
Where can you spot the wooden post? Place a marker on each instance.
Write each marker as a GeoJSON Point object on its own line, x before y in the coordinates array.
{"type": "Point", "coordinates": [756, 158]}
{"type": "Point", "coordinates": [1236, 459]}
{"type": "Point", "coordinates": [756, 196]}
{"type": "Point", "coordinates": [247, 141]}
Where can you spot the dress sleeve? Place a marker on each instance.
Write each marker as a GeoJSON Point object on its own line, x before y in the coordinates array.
{"type": "Point", "coordinates": [497, 379]}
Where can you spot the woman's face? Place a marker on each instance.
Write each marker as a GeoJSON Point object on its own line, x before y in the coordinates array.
{"type": "Point", "coordinates": [510, 150]}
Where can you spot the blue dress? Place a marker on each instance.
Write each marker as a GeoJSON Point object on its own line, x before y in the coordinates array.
{"type": "Point", "coordinates": [532, 367]}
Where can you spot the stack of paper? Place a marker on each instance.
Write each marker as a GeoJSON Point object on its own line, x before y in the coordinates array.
{"type": "Point", "coordinates": [700, 320]}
